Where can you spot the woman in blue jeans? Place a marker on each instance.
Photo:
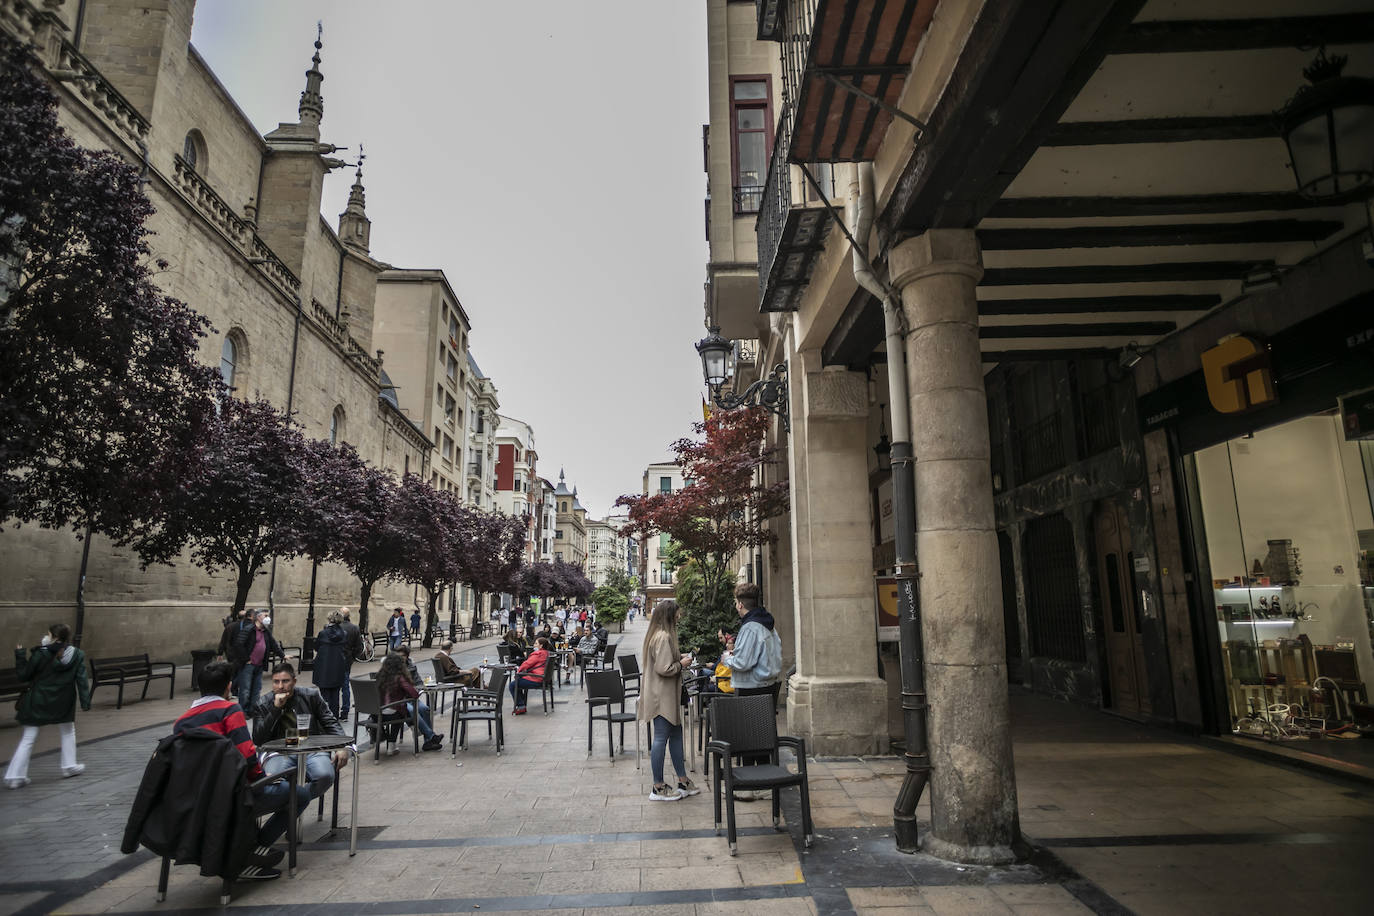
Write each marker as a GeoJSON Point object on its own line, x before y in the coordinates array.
{"type": "Point", "coordinates": [660, 695]}
{"type": "Point", "coordinates": [394, 684]}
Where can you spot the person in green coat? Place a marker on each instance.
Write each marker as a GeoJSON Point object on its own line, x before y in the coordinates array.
{"type": "Point", "coordinates": [56, 677]}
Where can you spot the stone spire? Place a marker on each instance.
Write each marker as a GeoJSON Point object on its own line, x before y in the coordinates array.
{"type": "Point", "coordinates": [311, 108]}
{"type": "Point", "coordinates": [355, 229]}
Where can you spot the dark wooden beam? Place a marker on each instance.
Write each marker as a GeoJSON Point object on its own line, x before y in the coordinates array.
{"type": "Point", "coordinates": [1167, 205]}
{"type": "Point", "coordinates": [1047, 355]}
{"type": "Point", "coordinates": [857, 333]}
{"type": "Point", "coordinates": [1185, 271]}
{"type": "Point", "coordinates": [1069, 305]}
{"type": "Point", "coordinates": [1021, 67]}
{"type": "Point", "coordinates": [1173, 36]}
{"type": "Point", "coordinates": [1163, 130]}
{"type": "Point", "coordinates": [1095, 329]}
{"type": "Point", "coordinates": [1256, 232]}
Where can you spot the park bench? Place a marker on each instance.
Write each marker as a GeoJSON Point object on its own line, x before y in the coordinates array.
{"type": "Point", "coordinates": [130, 669]}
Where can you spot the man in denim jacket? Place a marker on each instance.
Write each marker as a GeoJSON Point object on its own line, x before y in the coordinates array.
{"type": "Point", "coordinates": [754, 657]}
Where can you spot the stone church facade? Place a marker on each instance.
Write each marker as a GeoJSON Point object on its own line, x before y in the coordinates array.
{"type": "Point", "coordinates": [291, 299]}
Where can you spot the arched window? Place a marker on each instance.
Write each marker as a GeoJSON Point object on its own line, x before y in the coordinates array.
{"type": "Point", "coordinates": [193, 151]}
{"type": "Point", "coordinates": [228, 361]}
{"type": "Point", "coordinates": [336, 426]}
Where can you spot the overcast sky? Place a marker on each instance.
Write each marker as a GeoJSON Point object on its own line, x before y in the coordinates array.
{"type": "Point", "coordinates": [547, 156]}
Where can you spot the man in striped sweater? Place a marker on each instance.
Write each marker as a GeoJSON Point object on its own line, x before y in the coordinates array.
{"type": "Point", "coordinates": [217, 712]}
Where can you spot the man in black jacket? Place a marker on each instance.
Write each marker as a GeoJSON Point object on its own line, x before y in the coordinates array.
{"type": "Point", "coordinates": [354, 644]}
{"type": "Point", "coordinates": [287, 699]}
{"type": "Point", "coordinates": [248, 644]}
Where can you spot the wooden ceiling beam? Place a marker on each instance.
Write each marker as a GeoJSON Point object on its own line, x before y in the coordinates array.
{"type": "Point", "coordinates": [1069, 305]}
{"type": "Point", "coordinates": [1194, 35]}
{"type": "Point", "coordinates": [1163, 130]}
{"type": "Point", "coordinates": [1093, 329]}
{"type": "Point", "coordinates": [1256, 232]}
{"type": "Point", "coordinates": [1048, 354]}
{"type": "Point", "coordinates": [1176, 271]}
{"type": "Point", "coordinates": [1164, 205]}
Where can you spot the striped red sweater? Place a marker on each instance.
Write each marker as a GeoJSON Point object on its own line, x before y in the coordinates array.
{"type": "Point", "coordinates": [224, 717]}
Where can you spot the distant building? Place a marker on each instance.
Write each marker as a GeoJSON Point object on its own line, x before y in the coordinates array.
{"type": "Point", "coordinates": [655, 574]}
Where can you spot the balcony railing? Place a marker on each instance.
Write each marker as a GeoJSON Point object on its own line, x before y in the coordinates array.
{"type": "Point", "coordinates": [790, 233]}
{"type": "Point", "coordinates": [748, 198]}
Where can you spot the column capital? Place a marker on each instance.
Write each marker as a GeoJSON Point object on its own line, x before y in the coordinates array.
{"type": "Point", "coordinates": [936, 251]}
{"type": "Point", "coordinates": [834, 393]}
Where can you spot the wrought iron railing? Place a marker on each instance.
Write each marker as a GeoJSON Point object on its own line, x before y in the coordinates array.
{"type": "Point", "coordinates": [1098, 409]}
{"type": "Point", "coordinates": [748, 198]}
{"type": "Point", "coordinates": [798, 19]}
{"type": "Point", "coordinates": [776, 201]}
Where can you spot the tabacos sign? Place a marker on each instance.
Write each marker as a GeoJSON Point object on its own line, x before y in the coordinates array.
{"type": "Point", "coordinates": [1238, 374]}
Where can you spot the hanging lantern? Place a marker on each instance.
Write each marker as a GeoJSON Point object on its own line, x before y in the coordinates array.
{"type": "Point", "coordinates": [1329, 129]}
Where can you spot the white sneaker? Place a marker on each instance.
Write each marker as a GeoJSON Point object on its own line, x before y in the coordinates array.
{"type": "Point", "coordinates": [77, 770]}
{"type": "Point", "coordinates": [668, 794]}
{"type": "Point", "coordinates": [391, 749]}
{"type": "Point", "coordinates": [687, 787]}
{"type": "Point", "coordinates": [19, 783]}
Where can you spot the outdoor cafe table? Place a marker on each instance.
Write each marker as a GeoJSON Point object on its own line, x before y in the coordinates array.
{"type": "Point", "coordinates": [439, 690]}
{"type": "Point", "coordinates": [316, 744]}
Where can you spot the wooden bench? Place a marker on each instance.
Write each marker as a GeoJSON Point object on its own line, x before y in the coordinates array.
{"type": "Point", "coordinates": [130, 669]}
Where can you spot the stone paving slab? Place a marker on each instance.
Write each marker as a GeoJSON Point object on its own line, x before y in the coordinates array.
{"type": "Point", "coordinates": [1127, 818]}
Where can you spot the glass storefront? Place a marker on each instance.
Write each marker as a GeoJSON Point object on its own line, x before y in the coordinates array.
{"type": "Point", "coordinates": [1288, 519]}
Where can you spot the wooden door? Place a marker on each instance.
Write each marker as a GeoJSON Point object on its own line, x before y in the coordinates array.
{"type": "Point", "coordinates": [1121, 612]}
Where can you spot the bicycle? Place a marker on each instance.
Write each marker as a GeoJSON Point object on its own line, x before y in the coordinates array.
{"type": "Point", "coordinates": [366, 651]}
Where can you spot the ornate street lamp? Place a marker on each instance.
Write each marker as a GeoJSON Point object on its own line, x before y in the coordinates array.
{"type": "Point", "coordinates": [884, 447]}
{"type": "Point", "coordinates": [769, 393]}
{"type": "Point", "coordinates": [1329, 129]}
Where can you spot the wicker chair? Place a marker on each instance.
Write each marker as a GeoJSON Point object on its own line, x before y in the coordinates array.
{"type": "Point", "coordinates": [629, 673]}
{"type": "Point", "coordinates": [748, 725]}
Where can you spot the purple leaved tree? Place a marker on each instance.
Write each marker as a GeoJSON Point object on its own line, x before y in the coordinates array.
{"type": "Point", "coordinates": [102, 398]}
{"type": "Point", "coordinates": [489, 553]}
{"type": "Point", "coordinates": [244, 500]}
{"type": "Point", "coordinates": [376, 548]}
{"type": "Point", "coordinates": [431, 521]}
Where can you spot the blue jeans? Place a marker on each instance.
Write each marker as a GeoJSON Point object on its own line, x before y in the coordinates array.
{"type": "Point", "coordinates": [347, 695]}
{"type": "Point", "coordinates": [669, 735]}
{"type": "Point", "coordinates": [519, 689]}
{"type": "Point", "coordinates": [396, 641]}
{"type": "Point", "coordinates": [275, 798]}
{"type": "Point", "coordinates": [426, 728]}
{"type": "Point", "coordinates": [248, 683]}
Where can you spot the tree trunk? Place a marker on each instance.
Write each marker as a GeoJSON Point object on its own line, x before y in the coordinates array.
{"type": "Point", "coordinates": [308, 647]}
{"type": "Point", "coordinates": [362, 603]}
{"type": "Point", "coordinates": [81, 589]}
{"type": "Point", "coordinates": [431, 617]}
{"type": "Point", "coordinates": [245, 583]}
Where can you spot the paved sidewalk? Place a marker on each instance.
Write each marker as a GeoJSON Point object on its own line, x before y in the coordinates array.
{"type": "Point", "coordinates": [1126, 818]}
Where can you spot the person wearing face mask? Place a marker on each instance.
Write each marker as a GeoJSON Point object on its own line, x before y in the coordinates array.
{"type": "Point", "coordinates": [252, 649]}
{"type": "Point", "coordinates": [56, 676]}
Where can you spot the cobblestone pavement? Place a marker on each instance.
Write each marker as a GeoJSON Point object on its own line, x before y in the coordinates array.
{"type": "Point", "coordinates": [1123, 817]}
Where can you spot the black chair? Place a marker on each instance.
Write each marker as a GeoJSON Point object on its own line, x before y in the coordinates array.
{"type": "Point", "coordinates": [484, 705]}
{"type": "Point", "coordinates": [630, 674]}
{"type": "Point", "coordinates": [383, 721]}
{"type": "Point", "coordinates": [605, 688]}
{"type": "Point", "coordinates": [608, 652]}
{"type": "Point", "coordinates": [547, 685]}
{"type": "Point", "coordinates": [745, 726]}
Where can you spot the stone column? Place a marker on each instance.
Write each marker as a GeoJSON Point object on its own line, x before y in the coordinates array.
{"type": "Point", "coordinates": [837, 702]}
{"type": "Point", "coordinates": [973, 786]}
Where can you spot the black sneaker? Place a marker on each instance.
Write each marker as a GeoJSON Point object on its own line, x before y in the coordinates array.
{"type": "Point", "coordinates": [432, 744]}
{"type": "Point", "coordinates": [265, 856]}
{"type": "Point", "coordinates": [259, 873]}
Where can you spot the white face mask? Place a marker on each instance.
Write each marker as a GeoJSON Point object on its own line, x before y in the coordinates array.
{"type": "Point", "coordinates": [47, 639]}
{"type": "Point", "coordinates": [267, 621]}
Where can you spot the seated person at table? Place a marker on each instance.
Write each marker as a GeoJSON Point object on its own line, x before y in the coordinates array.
{"type": "Point", "coordinates": [530, 674]}
{"type": "Point", "coordinates": [217, 712]}
{"type": "Point", "coordinates": [450, 672]}
{"type": "Point", "coordinates": [394, 683]}
{"type": "Point", "coordinates": [410, 665]}
{"type": "Point", "coordinates": [515, 646]}
{"type": "Point", "coordinates": [274, 710]}
{"type": "Point", "coordinates": [586, 645]}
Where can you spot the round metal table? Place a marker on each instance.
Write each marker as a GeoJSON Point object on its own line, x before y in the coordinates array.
{"type": "Point", "coordinates": [315, 744]}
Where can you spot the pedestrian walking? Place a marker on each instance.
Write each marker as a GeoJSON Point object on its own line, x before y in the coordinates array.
{"type": "Point", "coordinates": [415, 623]}
{"type": "Point", "coordinates": [660, 701]}
{"type": "Point", "coordinates": [331, 662]}
{"type": "Point", "coordinates": [55, 675]}
{"type": "Point", "coordinates": [355, 651]}
{"type": "Point", "coordinates": [249, 649]}
{"type": "Point", "coordinates": [396, 628]}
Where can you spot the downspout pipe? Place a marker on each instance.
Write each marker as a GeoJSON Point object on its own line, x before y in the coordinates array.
{"type": "Point", "coordinates": [917, 756]}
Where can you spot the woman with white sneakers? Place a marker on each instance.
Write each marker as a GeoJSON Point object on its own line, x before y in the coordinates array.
{"type": "Point", "coordinates": [55, 673]}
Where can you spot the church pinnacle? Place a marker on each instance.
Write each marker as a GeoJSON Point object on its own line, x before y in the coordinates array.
{"type": "Point", "coordinates": [355, 229]}
{"type": "Point", "coordinates": [311, 108]}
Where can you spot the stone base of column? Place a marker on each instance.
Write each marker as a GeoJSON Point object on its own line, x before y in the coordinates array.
{"type": "Point", "coordinates": [839, 716]}
{"type": "Point", "coordinates": [970, 855]}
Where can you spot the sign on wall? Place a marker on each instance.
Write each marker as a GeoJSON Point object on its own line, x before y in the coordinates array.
{"type": "Point", "coordinates": [1238, 374]}
{"type": "Point", "coordinates": [888, 621]}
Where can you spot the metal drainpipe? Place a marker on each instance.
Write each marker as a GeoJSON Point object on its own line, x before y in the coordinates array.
{"type": "Point", "coordinates": [917, 756]}
{"type": "Point", "coordinates": [290, 400]}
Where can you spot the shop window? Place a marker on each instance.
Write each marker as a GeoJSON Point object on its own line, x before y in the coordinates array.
{"type": "Point", "coordinates": [1053, 615]}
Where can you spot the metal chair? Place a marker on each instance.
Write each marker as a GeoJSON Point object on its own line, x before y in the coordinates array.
{"type": "Point", "coordinates": [546, 687]}
{"type": "Point", "coordinates": [605, 688]}
{"type": "Point", "coordinates": [748, 725]}
{"type": "Point", "coordinates": [367, 700]}
{"type": "Point", "coordinates": [474, 705]}
{"type": "Point", "coordinates": [630, 674]}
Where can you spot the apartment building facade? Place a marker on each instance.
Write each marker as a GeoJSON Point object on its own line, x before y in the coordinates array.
{"type": "Point", "coordinates": [656, 575]}
{"type": "Point", "coordinates": [570, 525]}
{"type": "Point", "coordinates": [517, 479]}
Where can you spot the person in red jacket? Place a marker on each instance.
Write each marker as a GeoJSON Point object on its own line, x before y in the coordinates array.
{"type": "Point", "coordinates": [530, 674]}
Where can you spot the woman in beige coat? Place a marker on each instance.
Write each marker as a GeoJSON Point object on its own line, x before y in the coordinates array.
{"type": "Point", "coordinates": [660, 695]}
